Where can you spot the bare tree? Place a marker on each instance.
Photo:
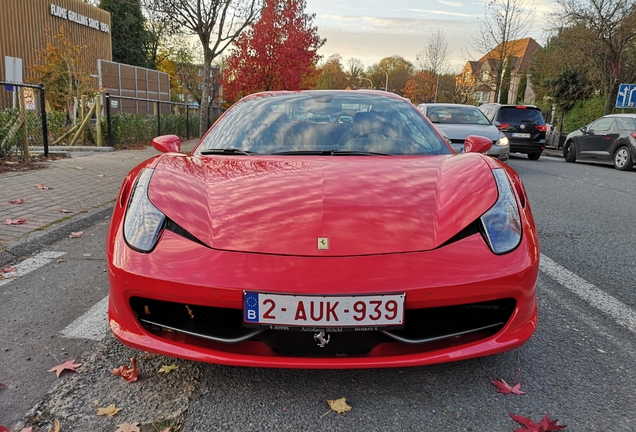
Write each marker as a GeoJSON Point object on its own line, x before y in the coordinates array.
{"type": "Point", "coordinates": [435, 57]}
{"type": "Point", "coordinates": [613, 23]}
{"type": "Point", "coordinates": [354, 71]}
{"type": "Point", "coordinates": [504, 21]}
{"type": "Point", "coordinates": [217, 23]}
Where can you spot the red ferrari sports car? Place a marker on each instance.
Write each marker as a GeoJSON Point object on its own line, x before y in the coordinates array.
{"type": "Point", "coordinates": [323, 229]}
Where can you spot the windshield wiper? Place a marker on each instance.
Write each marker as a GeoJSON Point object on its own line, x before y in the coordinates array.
{"type": "Point", "coordinates": [226, 151]}
{"type": "Point", "coordinates": [329, 153]}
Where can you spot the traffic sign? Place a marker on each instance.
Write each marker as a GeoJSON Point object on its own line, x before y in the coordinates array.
{"type": "Point", "coordinates": [626, 97]}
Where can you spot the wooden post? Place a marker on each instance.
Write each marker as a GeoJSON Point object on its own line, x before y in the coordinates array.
{"type": "Point", "coordinates": [82, 105]}
{"type": "Point", "coordinates": [82, 126]}
{"type": "Point", "coordinates": [25, 145]}
{"type": "Point", "coordinates": [98, 119]}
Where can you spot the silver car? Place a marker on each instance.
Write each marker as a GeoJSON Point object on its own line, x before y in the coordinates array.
{"type": "Point", "coordinates": [455, 122]}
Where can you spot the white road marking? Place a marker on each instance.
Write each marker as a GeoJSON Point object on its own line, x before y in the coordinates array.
{"type": "Point", "coordinates": [30, 264]}
{"type": "Point", "coordinates": [92, 325]}
{"type": "Point", "coordinates": [619, 311]}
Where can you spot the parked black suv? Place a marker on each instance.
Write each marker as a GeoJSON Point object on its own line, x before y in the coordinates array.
{"type": "Point", "coordinates": [522, 124]}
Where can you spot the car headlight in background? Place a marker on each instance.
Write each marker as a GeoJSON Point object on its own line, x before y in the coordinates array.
{"type": "Point", "coordinates": [502, 223]}
{"type": "Point", "coordinates": [503, 141]}
{"type": "Point", "coordinates": [143, 222]}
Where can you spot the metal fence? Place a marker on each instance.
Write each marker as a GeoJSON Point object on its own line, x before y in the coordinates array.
{"type": "Point", "coordinates": [26, 127]}
{"type": "Point", "coordinates": [23, 119]}
{"type": "Point", "coordinates": [131, 119]}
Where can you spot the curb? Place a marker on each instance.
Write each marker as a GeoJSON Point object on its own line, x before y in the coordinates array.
{"type": "Point", "coordinates": [33, 241]}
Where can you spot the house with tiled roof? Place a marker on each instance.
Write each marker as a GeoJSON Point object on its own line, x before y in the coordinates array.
{"type": "Point", "coordinates": [480, 77]}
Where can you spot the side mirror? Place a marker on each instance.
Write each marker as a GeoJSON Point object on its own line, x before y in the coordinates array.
{"type": "Point", "coordinates": [477, 144]}
{"type": "Point", "coordinates": [584, 129]}
{"type": "Point", "coordinates": [496, 123]}
{"type": "Point", "coordinates": [167, 143]}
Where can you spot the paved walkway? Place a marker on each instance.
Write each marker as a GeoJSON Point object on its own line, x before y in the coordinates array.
{"type": "Point", "coordinates": [76, 187]}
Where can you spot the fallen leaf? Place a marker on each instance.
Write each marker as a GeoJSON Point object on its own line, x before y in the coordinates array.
{"type": "Point", "coordinates": [14, 221]}
{"type": "Point", "coordinates": [504, 387]}
{"type": "Point", "coordinates": [166, 429]}
{"type": "Point", "coordinates": [127, 427]}
{"type": "Point", "coordinates": [57, 426]}
{"type": "Point", "coordinates": [129, 374]}
{"type": "Point", "coordinates": [1, 385]}
{"type": "Point", "coordinates": [67, 365]}
{"type": "Point", "coordinates": [101, 175]}
{"type": "Point", "coordinates": [65, 211]}
{"type": "Point", "coordinates": [168, 369]}
{"type": "Point", "coordinates": [18, 201]}
{"type": "Point", "coordinates": [79, 167]}
{"type": "Point", "coordinates": [109, 411]}
{"type": "Point", "coordinates": [339, 405]}
{"type": "Point", "coordinates": [60, 260]}
{"type": "Point", "coordinates": [76, 234]}
{"type": "Point", "coordinates": [545, 425]}
{"type": "Point", "coordinates": [3, 429]}
{"type": "Point", "coordinates": [9, 269]}
{"type": "Point", "coordinates": [41, 186]}
{"type": "Point", "coordinates": [87, 255]}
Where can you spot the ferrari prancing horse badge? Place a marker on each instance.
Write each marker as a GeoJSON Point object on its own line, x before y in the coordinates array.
{"type": "Point", "coordinates": [323, 243]}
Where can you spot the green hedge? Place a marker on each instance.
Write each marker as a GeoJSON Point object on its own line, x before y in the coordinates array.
{"type": "Point", "coordinates": [585, 112]}
{"type": "Point", "coordinates": [140, 128]}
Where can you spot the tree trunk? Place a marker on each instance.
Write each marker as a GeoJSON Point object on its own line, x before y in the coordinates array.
{"type": "Point", "coordinates": [610, 99]}
{"type": "Point", "coordinates": [205, 91]}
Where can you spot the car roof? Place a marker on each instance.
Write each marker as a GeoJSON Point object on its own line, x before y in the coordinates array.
{"type": "Point", "coordinates": [325, 93]}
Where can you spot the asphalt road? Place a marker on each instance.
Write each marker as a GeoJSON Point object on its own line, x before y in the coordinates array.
{"type": "Point", "coordinates": [580, 366]}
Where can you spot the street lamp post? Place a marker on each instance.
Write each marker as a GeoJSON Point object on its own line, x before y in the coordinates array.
{"type": "Point", "coordinates": [370, 82]}
{"type": "Point", "coordinates": [386, 83]}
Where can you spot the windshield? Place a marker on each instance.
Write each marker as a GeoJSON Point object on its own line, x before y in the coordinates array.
{"type": "Point", "coordinates": [520, 115]}
{"type": "Point", "coordinates": [456, 115]}
{"type": "Point", "coordinates": [334, 122]}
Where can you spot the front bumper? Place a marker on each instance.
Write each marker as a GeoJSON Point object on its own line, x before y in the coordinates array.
{"type": "Point", "coordinates": [180, 271]}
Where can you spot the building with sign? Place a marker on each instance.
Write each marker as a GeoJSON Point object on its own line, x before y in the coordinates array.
{"type": "Point", "coordinates": [24, 25]}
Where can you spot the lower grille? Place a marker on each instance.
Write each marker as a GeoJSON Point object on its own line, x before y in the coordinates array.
{"type": "Point", "coordinates": [425, 329]}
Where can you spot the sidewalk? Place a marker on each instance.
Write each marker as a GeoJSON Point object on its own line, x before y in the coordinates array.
{"type": "Point", "coordinates": [81, 191]}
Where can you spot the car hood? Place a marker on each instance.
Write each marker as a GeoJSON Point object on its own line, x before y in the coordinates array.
{"type": "Point", "coordinates": [284, 205]}
{"type": "Point", "coordinates": [461, 131]}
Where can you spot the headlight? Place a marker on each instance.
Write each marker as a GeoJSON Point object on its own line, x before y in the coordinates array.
{"type": "Point", "coordinates": [503, 141]}
{"type": "Point", "coordinates": [143, 222]}
{"type": "Point", "coordinates": [502, 223]}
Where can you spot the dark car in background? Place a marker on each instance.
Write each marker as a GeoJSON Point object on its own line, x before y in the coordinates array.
{"type": "Point", "coordinates": [523, 125]}
{"type": "Point", "coordinates": [610, 138]}
{"type": "Point", "coordinates": [456, 122]}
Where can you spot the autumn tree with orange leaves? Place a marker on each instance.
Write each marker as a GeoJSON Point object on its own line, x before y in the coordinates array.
{"type": "Point", "coordinates": [420, 87]}
{"type": "Point", "coordinates": [277, 52]}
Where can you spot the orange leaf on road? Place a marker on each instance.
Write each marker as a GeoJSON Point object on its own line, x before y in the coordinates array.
{"type": "Point", "coordinates": [76, 234]}
{"type": "Point", "coordinates": [129, 374]}
{"type": "Point", "coordinates": [67, 365]}
{"type": "Point", "coordinates": [9, 269]}
{"type": "Point", "coordinates": [339, 405]}
{"type": "Point", "coordinates": [41, 186]}
{"type": "Point", "coordinates": [18, 201]}
{"type": "Point", "coordinates": [56, 427]}
{"type": "Point", "coordinates": [109, 411]}
{"type": "Point", "coordinates": [127, 427]}
{"type": "Point", "coordinates": [14, 221]}
{"type": "Point", "coordinates": [65, 211]}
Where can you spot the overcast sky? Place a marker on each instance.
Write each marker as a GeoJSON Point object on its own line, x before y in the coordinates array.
{"type": "Point", "coordinates": [373, 29]}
